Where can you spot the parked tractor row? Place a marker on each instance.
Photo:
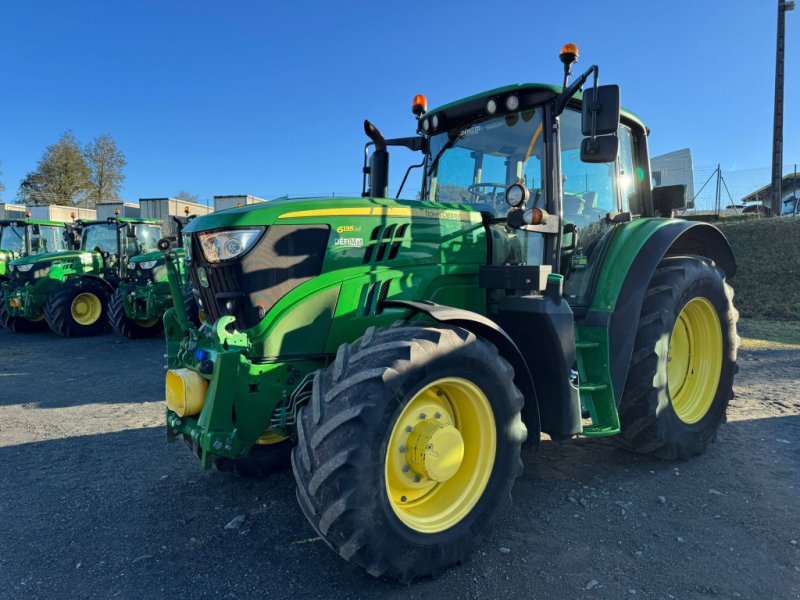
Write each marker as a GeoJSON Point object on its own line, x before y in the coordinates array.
{"type": "Point", "coordinates": [81, 277]}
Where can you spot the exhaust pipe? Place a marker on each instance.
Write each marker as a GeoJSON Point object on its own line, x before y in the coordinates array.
{"type": "Point", "coordinates": [379, 163]}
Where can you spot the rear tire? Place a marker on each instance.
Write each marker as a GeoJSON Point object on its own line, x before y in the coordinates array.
{"type": "Point", "coordinates": [344, 462]}
{"type": "Point", "coordinates": [130, 328]}
{"type": "Point", "coordinates": [666, 412]}
{"type": "Point", "coordinates": [19, 324]}
{"type": "Point", "coordinates": [65, 313]}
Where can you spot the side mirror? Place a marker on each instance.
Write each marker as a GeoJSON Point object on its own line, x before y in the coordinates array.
{"type": "Point", "coordinates": [601, 149]}
{"type": "Point", "coordinates": [130, 231]}
{"type": "Point", "coordinates": [668, 198]}
{"type": "Point", "coordinates": [605, 110]}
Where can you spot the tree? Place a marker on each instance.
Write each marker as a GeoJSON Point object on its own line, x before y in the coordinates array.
{"type": "Point", "coordinates": [106, 162]}
{"type": "Point", "coordinates": [186, 196]}
{"type": "Point", "coordinates": [61, 176]}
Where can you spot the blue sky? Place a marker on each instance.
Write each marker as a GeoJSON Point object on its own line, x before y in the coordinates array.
{"type": "Point", "coordinates": [268, 98]}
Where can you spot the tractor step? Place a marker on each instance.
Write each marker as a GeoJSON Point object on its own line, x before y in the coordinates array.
{"type": "Point", "coordinates": [597, 395]}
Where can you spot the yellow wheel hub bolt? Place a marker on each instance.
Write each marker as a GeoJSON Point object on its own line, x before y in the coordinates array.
{"type": "Point", "coordinates": [435, 450]}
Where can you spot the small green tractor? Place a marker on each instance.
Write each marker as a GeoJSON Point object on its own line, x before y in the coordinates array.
{"type": "Point", "coordinates": [69, 290]}
{"type": "Point", "coordinates": [143, 295]}
{"type": "Point", "coordinates": [407, 350]}
{"type": "Point", "coordinates": [27, 237]}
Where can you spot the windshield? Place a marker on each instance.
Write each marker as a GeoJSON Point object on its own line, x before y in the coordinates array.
{"type": "Point", "coordinates": [147, 237]}
{"type": "Point", "coordinates": [47, 238]}
{"type": "Point", "coordinates": [475, 163]}
{"type": "Point", "coordinates": [12, 237]}
{"type": "Point", "coordinates": [103, 237]}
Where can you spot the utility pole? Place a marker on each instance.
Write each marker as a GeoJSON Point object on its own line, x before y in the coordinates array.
{"type": "Point", "coordinates": [777, 129]}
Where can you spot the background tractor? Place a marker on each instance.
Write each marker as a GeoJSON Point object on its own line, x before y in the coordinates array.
{"type": "Point", "coordinates": [407, 349]}
{"type": "Point", "coordinates": [137, 306]}
{"type": "Point", "coordinates": [27, 237]}
{"type": "Point", "coordinates": [69, 291]}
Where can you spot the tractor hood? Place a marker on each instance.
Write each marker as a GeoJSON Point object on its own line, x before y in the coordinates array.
{"type": "Point", "coordinates": [323, 209]}
{"type": "Point", "coordinates": [87, 257]}
{"type": "Point", "coordinates": [156, 255]}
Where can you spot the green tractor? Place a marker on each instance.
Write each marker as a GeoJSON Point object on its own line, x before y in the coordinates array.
{"type": "Point", "coordinates": [69, 291]}
{"type": "Point", "coordinates": [26, 237]}
{"type": "Point", "coordinates": [409, 349]}
{"type": "Point", "coordinates": [137, 306]}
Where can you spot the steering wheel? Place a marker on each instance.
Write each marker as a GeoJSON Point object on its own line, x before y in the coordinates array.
{"type": "Point", "coordinates": [485, 196]}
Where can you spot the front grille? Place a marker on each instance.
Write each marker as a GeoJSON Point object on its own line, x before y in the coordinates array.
{"type": "Point", "coordinates": [25, 277]}
{"type": "Point", "coordinates": [284, 257]}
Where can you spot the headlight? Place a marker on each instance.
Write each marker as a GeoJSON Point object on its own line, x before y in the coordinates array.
{"type": "Point", "coordinates": [517, 195]}
{"type": "Point", "coordinates": [225, 245]}
{"type": "Point", "coordinates": [148, 264]}
{"type": "Point", "coordinates": [24, 268]}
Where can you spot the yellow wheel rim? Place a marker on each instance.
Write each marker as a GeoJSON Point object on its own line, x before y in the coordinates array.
{"type": "Point", "coordinates": [440, 455]}
{"type": "Point", "coordinates": [695, 360]}
{"type": "Point", "coordinates": [37, 319]}
{"type": "Point", "coordinates": [86, 308]}
{"type": "Point", "coordinates": [147, 324]}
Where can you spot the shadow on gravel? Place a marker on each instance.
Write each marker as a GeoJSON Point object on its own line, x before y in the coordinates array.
{"type": "Point", "coordinates": [132, 515]}
{"type": "Point", "coordinates": [46, 371]}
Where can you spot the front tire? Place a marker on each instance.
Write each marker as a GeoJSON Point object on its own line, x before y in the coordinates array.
{"type": "Point", "coordinates": [78, 308]}
{"type": "Point", "coordinates": [681, 375]}
{"type": "Point", "coordinates": [409, 448]}
{"type": "Point", "coordinates": [130, 328]}
{"type": "Point", "coordinates": [20, 324]}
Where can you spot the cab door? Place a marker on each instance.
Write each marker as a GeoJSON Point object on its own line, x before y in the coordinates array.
{"type": "Point", "coordinates": [595, 200]}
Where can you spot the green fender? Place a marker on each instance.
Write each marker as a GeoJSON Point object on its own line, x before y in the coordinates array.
{"type": "Point", "coordinates": [630, 262]}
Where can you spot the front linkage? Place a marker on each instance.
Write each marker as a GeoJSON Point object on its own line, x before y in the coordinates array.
{"type": "Point", "coordinates": [211, 379]}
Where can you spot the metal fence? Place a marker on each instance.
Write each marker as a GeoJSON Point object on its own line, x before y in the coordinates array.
{"type": "Point", "coordinates": [721, 190]}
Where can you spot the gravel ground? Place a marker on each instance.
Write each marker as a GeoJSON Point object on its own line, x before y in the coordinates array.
{"type": "Point", "coordinates": [95, 504]}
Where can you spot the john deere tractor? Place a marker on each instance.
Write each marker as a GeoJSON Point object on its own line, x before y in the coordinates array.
{"type": "Point", "coordinates": [26, 237]}
{"type": "Point", "coordinates": [137, 306]}
{"type": "Point", "coordinates": [408, 349]}
{"type": "Point", "coordinates": [69, 291]}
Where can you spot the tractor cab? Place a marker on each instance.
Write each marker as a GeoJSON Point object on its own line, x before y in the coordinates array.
{"type": "Point", "coordinates": [23, 237]}
{"type": "Point", "coordinates": [118, 240]}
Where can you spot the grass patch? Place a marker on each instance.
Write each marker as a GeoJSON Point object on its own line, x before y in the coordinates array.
{"type": "Point", "coordinates": [767, 281]}
{"type": "Point", "coordinates": [760, 334]}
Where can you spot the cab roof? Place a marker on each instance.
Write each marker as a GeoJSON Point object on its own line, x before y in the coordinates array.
{"type": "Point", "coordinates": [119, 220]}
{"type": "Point", "coordinates": [25, 221]}
{"type": "Point", "coordinates": [546, 88]}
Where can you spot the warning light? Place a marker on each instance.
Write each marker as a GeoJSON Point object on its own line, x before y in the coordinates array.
{"type": "Point", "coordinates": [420, 105]}
{"type": "Point", "coordinates": [570, 49]}
{"type": "Point", "coordinates": [28, 214]}
{"type": "Point", "coordinates": [186, 210]}
{"type": "Point", "coordinates": [568, 56]}
{"type": "Point", "coordinates": [116, 212]}
{"type": "Point", "coordinates": [536, 216]}
{"type": "Point", "coordinates": [72, 215]}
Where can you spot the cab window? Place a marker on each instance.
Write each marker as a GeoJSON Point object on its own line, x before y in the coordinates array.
{"type": "Point", "coordinates": [590, 191]}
